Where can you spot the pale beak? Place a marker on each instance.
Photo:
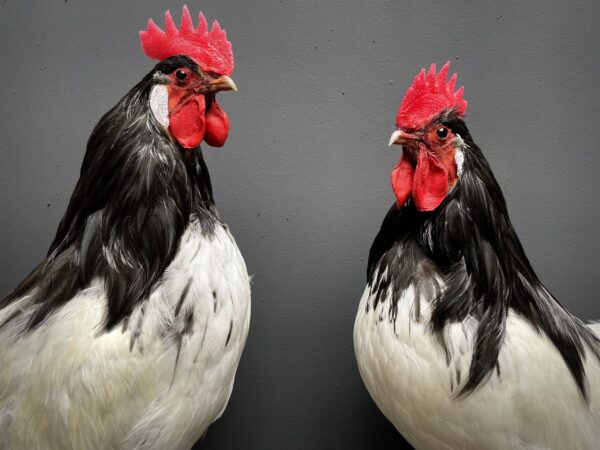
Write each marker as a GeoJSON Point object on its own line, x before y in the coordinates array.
{"type": "Point", "coordinates": [223, 83]}
{"type": "Point", "coordinates": [401, 137]}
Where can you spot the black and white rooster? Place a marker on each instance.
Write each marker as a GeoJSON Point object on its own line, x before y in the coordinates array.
{"type": "Point", "coordinates": [129, 333]}
{"type": "Point", "coordinates": [457, 340]}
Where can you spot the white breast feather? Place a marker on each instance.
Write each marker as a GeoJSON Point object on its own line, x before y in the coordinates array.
{"type": "Point", "coordinates": [532, 402]}
{"type": "Point", "coordinates": [69, 385]}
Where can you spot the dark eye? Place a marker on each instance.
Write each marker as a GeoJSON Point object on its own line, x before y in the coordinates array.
{"type": "Point", "coordinates": [442, 132]}
{"type": "Point", "coordinates": [181, 75]}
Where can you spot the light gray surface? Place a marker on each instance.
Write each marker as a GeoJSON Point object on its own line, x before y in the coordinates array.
{"type": "Point", "coordinates": [303, 180]}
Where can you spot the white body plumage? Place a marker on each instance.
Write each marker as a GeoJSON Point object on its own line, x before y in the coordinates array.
{"type": "Point", "coordinates": [530, 402]}
{"type": "Point", "coordinates": [156, 382]}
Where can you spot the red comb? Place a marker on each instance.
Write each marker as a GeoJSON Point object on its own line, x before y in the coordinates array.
{"type": "Point", "coordinates": [430, 95]}
{"type": "Point", "coordinates": [210, 49]}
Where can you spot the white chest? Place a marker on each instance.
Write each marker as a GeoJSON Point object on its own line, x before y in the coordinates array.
{"type": "Point", "coordinates": [207, 291]}
{"type": "Point", "coordinates": [531, 402]}
{"type": "Point", "coordinates": [158, 381]}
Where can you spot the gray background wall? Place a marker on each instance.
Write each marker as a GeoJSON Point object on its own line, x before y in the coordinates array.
{"type": "Point", "coordinates": [304, 177]}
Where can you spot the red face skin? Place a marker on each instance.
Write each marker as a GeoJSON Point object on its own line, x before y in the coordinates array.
{"type": "Point", "coordinates": [427, 169]}
{"type": "Point", "coordinates": [190, 121]}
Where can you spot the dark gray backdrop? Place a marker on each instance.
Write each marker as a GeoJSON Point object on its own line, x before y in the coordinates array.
{"type": "Point", "coordinates": [304, 177]}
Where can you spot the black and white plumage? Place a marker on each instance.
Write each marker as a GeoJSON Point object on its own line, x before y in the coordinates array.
{"type": "Point", "coordinates": [129, 333]}
{"type": "Point", "coordinates": [457, 340]}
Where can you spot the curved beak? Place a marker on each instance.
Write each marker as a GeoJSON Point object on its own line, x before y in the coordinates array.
{"type": "Point", "coordinates": [400, 137]}
{"type": "Point", "coordinates": [223, 83]}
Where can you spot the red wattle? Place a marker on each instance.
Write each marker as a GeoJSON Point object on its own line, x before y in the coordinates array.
{"type": "Point", "coordinates": [187, 123]}
{"type": "Point", "coordinates": [428, 183]}
{"type": "Point", "coordinates": [402, 180]}
{"type": "Point", "coordinates": [217, 125]}
{"type": "Point", "coordinates": [431, 182]}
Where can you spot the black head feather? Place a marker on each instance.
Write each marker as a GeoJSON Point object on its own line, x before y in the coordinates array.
{"type": "Point", "coordinates": [135, 195]}
{"type": "Point", "coordinates": [470, 243]}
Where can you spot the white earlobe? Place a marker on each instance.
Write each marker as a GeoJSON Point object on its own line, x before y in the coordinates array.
{"type": "Point", "coordinates": [459, 157]}
{"type": "Point", "coordinates": [159, 104]}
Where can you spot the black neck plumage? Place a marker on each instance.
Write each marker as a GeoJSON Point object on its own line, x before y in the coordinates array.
{"type": "Point", "coordinates": [469, 243]}
{"type": "Point", "coordinates": [136, 194]}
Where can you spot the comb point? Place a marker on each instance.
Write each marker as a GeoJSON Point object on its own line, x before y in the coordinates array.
{"type": "Point", "coordinates": [187, 26]}
{"type": "Point", "coordinates": [202, 25]}
{"type": "Point", "coordinates": [170, 27]}
{"type": "Point", "coordinates": [215, 28]}
{"type": "Point", "coordinates": [443, 73]}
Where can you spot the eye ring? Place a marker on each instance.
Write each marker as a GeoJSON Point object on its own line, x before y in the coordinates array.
{"type": "Point", "coordinates": [442, 132]}
{"type": "Point", "coordinates": [181, 75]}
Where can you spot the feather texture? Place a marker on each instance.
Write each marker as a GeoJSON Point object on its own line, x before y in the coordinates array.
{"type": "Point", "coordinates": [157, 381]}
{"type": "Point", "coordinates": [529, 400]}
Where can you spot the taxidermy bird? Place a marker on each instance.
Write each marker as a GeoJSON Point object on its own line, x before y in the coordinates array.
{"type": "Point", "coordinates": [457, 340]}
{"type": "Point", "coordinates": [128, 335]}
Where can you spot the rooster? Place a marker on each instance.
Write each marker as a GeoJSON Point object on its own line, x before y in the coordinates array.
{"type": "Point", "coordinates": [129, 333]}
{"type": "Point", "coordinates": [457, 340]}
